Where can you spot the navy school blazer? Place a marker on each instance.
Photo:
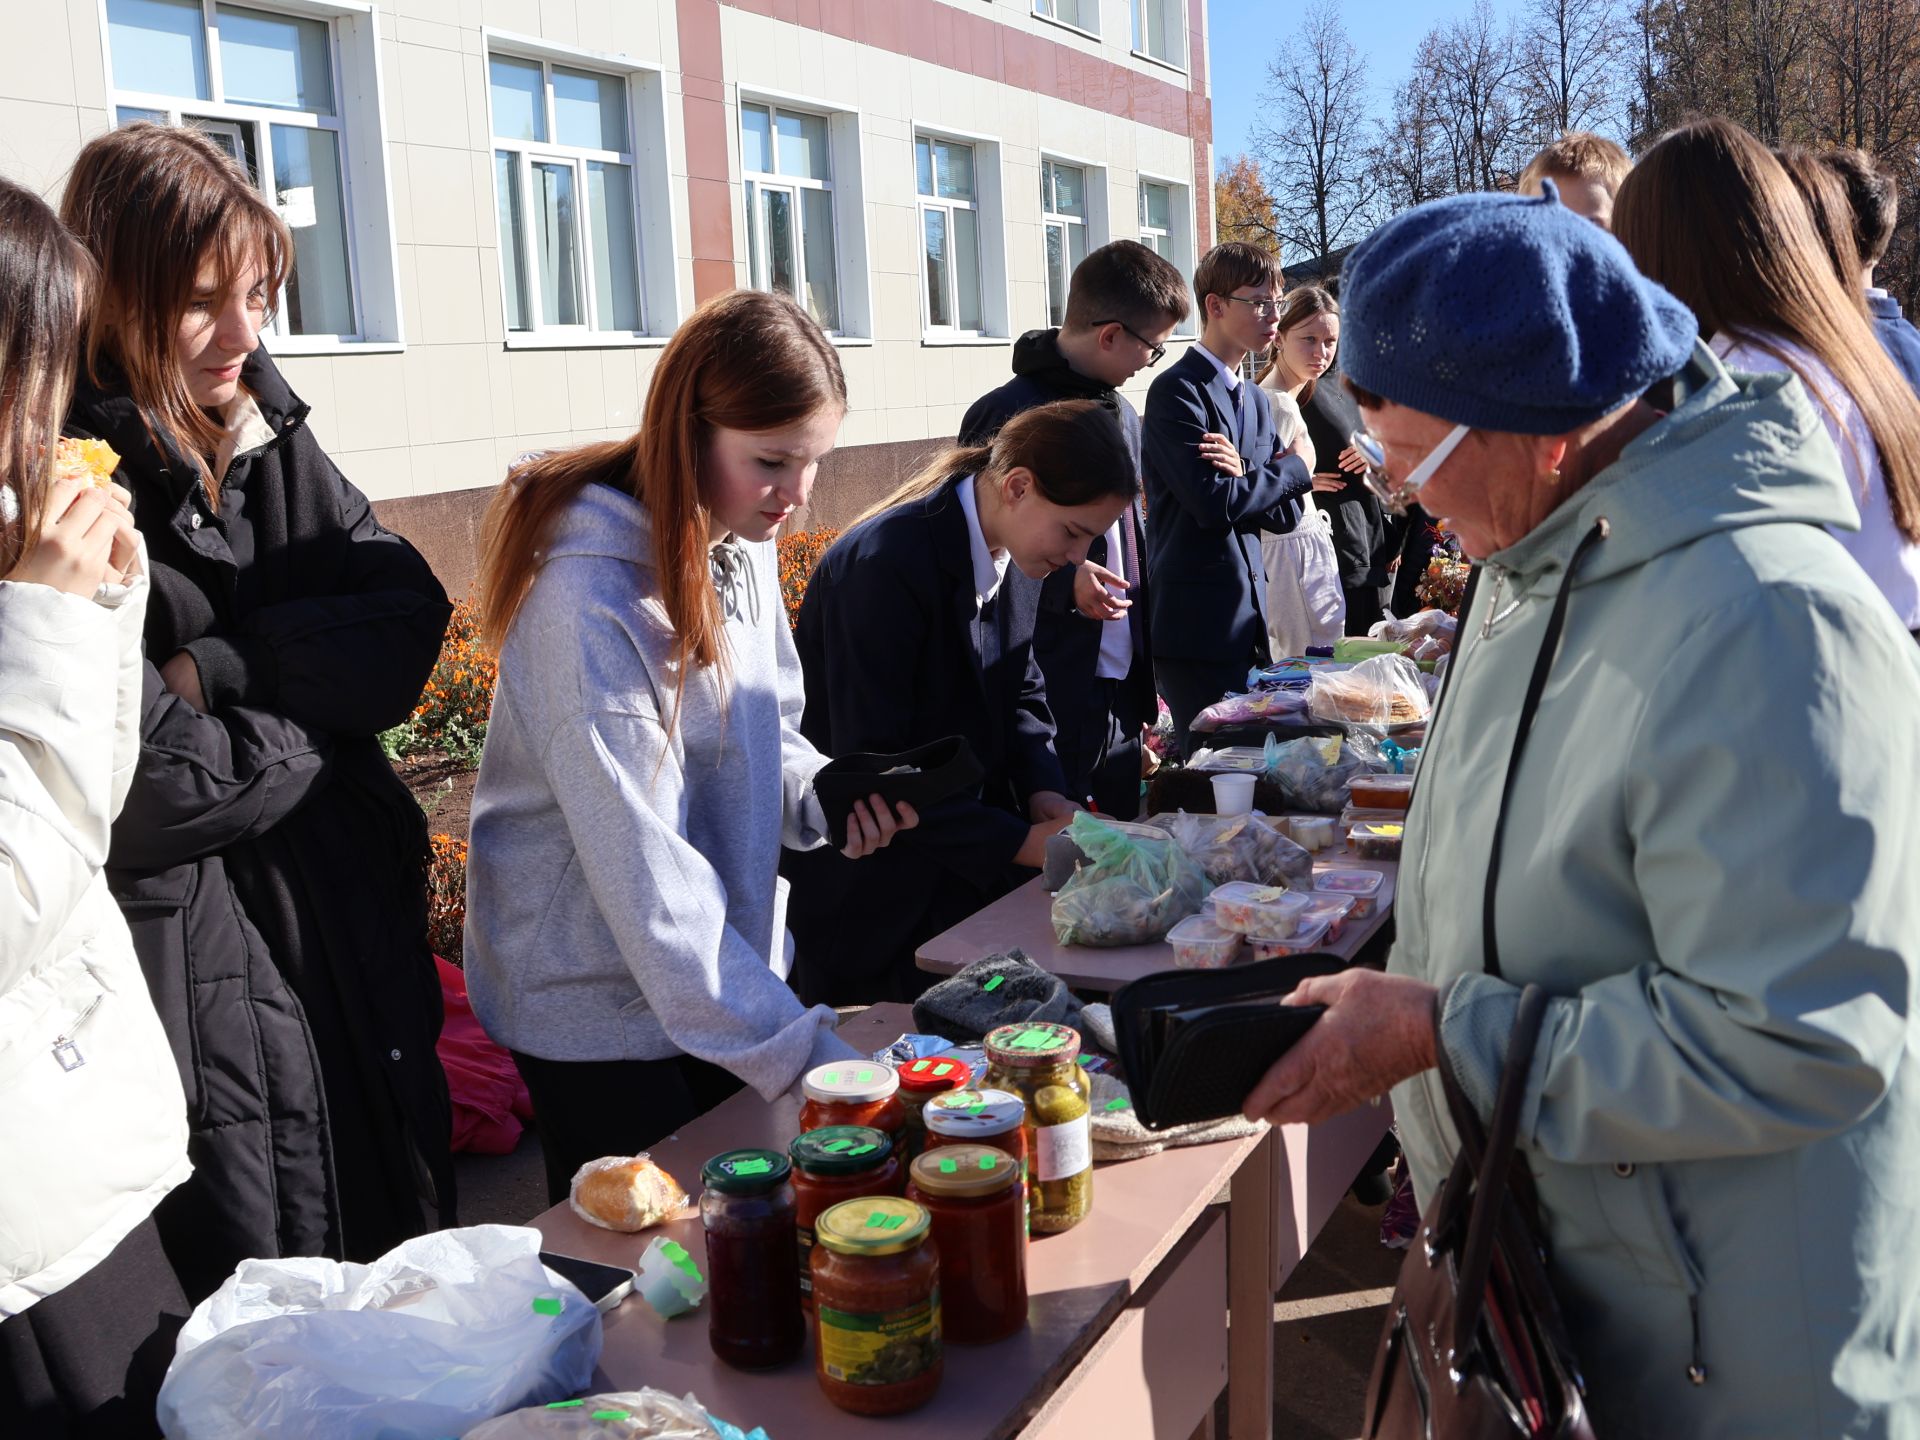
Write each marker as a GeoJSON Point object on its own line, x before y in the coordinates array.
{"type": "Point", "coordinates": [1209, 595]}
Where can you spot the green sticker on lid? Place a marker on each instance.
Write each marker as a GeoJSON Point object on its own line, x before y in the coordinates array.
{"type": "Point", "coordinates": [920, 1067]}
{"type": "Point", "coordinates": [945, 1067]}
{"type": "Point", "coordinates": [987, 1162]}
{"type": "Point", "coordinates": [836, 1146]}
{"type": "Point", "coordinates": [947, 1167]}
{"type": "Point", "coordinates": [866, 1149]}
{"type": "Point", "coordinates": [759, 1166]}
{"type": "Point", "coordinates": [547, 1305]}
{"type": "Point", "coordinates": [865, 1077]}
{"type": "Point", "coordinates": [880, 1220]}
{"type": "Point", "coordinates": [1034, 1039]}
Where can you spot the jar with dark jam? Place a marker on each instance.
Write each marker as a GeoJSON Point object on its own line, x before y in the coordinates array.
{"type": "Point", "coordinates": [920, 1082]}
{"type": "Point", "coordinates": [753, 1305]}
{"type": "Point", "coordinates": [876, 1313]}
{"type": "Point", "coordinates": [1039, 1064]}
{"type": "Point", "coordinates": [972, 1193]}
{"type": "Point", "coordinates": [835, 1163]}
{"type": "Point", "coordinates": [852, 1092]}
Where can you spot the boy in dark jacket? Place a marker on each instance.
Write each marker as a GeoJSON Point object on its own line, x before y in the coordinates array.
{"type": "Point", "coordinates": [1875, 201]}
{"type": "Point", "coordinates": [1090, 641]}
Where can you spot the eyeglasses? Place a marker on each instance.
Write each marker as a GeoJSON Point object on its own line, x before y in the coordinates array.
{"type": "Point", "coordinates": [1396, 497]}
{"type": "Point", "coordinates": [1261, 308]}
{"type": "Point", "coordinates": [1155, 353]}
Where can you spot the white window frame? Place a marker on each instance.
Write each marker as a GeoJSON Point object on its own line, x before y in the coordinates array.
{"type": "Point", "coordinates": [1179, 232]}
{"type": "Point", "coordinates": [1049, 10]}
{"type": "Point", "coordinates": [1094, 191]}
{"type": "Point", "coordinates": [947, 206]}
{"type": "Point", "coordinates": [374, 299]}
{"type": "Point", "coordinates": [1172, 62]}
{"type": "Point", "coordinates": [528, 153]}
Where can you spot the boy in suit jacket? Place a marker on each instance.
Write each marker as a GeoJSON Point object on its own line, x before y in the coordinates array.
{"type": "Point", "coordinates": [1089, 637]}
{"type": "Point", "coordinates": [1214, 480]}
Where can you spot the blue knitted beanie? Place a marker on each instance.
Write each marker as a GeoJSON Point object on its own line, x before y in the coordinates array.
{"type": "Point", "coordinates": [1505, 312]}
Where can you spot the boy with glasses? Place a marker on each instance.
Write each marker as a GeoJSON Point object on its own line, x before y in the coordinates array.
{"type": "Point", "coordinates": [1091, 642]}
{"type": "Point", "coordinates": [1214, 479]}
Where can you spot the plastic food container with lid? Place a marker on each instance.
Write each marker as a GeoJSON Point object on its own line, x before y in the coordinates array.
{"type": "Point", "coordinates": [972, 1193]}
{"type": "Point", "coordinates": [1357, 815]}
{"type": "Point", "coordinates": [1360, 886]}
{"type": "Point", "coordinates": [1380, 792]}
{"type": "Point", "coordinates": [876, 1319]}
{"type": "Point", "coordinates": [1260, 912]}
{"type": "Point", "coordinates": [920, 1081]}
{"type": "Point", "coordinates": [852, 1092]}
{"type": "Point", "coordinates": [1200, 944]}
{"type": "Point", "coordinates": [747, 1208]}
{"type": "Point", "coordinates": [1304, 941]}
{"type": "Point", "coordinates": [1036, 1063]}
{"type": "Point", "coordinates": [1334, 910]}
{"type": "Point", "coordinates": [835, 1163]}
{"type": "Point", "coordinates": [1377, 840]}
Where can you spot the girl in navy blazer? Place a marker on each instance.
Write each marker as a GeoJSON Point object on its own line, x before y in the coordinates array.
{"type": "Point", "coordinates": [918, 624]}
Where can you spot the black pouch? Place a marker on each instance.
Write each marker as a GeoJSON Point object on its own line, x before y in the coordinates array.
{"type": "Point", "coordinates": [1194, 1043]}
{"type": "Point", "coordinates": [927, 776]}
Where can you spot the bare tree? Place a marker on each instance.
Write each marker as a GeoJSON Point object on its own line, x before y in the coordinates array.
{"type": "Point", "coordinates": [1313, 139]}
{"type": "Point", "coordinates": [1471, 66]}
{"type": "Point", "coordinates": [1571, 66]}
{"type": "Point", "coordinates": [1411, 155]}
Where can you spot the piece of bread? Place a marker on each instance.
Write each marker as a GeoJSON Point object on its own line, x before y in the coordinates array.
{"type": "Point", "coordinates": [93, 461]}
{"type": "Point", "coordinates": [624, 1192]}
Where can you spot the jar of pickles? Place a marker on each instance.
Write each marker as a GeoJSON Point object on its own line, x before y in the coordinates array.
{"type": "Point", "coordinates": [980, 1231]}
{"type": "Point", "coordinates": [920, 1082]}
{"type": "Point", "coordinates": [1037, 1063]}
{"type": "Point", "coordinates": [876, 1290]}
{"type": "Point", "coordinates": [753, 1307]}
{"type": "Point", "coordinates": [852, 1092]}
{"type": "Point", "coordinates": [835, 1163]}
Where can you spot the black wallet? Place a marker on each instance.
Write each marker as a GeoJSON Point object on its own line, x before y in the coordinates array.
{"type": "Point", "coordinates": [920, 777]}
{"type": "Point", "coordinates": [1194, 1043]}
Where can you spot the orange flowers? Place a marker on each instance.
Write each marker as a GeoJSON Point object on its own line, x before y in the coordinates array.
{"type": "Point", "coordinates": [452, 712]}
{"type": "Point", "coordinates": [799, 553]}
{"type": "Point", "coordinates": [447, 896]}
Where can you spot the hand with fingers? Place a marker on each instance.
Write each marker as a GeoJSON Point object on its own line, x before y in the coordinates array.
{"type": "Point", "coordinates": [1218, 451]}
{"type": "Point", "coordinates": [873, 825]}
{"type": "Point", "coordinates": [86, 540]}
{"type": "Point", "coordinates": [1093, 592]}
{"type": "Point", "coordinates": [1352, 461]}
{"type": "Point", "coordinates": [1377, 1031]}
{"type": "Point", "coordinates": [1326, 483]}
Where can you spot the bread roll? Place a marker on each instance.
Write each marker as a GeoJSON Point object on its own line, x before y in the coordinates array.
{"type": "Point", "coordinates": [624, 1192]}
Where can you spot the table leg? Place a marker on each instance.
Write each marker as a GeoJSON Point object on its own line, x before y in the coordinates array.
{"type": "Point", "coordinates": [1250, 1230]}
{"type": "Point", "coordinates": [1207, 1431]}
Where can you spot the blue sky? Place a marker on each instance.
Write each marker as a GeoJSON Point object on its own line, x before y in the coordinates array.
{"type": "Point", "coordinates": [1246, 34]}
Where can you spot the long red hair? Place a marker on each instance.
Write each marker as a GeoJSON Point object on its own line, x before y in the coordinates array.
{"type": "Point", "coordinates": [746, 360]}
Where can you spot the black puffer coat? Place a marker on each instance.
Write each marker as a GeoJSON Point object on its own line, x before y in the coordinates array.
{"type": "Point", "coordinates": [270, 864]}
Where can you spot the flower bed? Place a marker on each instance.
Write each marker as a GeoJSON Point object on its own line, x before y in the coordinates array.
{"type": "Point", "coordinates": [799, 553]}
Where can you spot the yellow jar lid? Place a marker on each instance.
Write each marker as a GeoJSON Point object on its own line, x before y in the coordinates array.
{"type": "Point", "coordinates": [964, 1170]}
{"type": "Point", "coordinates": [875, 1225]}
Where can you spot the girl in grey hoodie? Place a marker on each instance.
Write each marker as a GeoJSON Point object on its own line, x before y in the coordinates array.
{"type": "Point", "coordinates": [626, 934]}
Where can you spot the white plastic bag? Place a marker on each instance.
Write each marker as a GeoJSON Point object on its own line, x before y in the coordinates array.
{"type": "Point", "coordinates": [437, 1335]}
{"type": "Point", "coordinates": [1385, 691]}
{"type": "Point", "coordinates": [643, 1414]}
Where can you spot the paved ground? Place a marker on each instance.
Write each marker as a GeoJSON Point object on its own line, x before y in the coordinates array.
{"type": "Point", "coordinates": [1325, 1321]}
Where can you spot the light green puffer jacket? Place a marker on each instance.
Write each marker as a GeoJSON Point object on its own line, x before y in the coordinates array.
{"type": "Point", "coordinates": [1712, 861]}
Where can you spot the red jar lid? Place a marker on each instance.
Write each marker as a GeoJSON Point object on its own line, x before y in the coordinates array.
{"type": "Point", "coordinates": [934, 1074]}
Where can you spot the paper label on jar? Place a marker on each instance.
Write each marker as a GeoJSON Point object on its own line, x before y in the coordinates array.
{"type": "Point", "coordinates": [1063, 1151]}
{"type": "Point", "coordinates": [884, 1348]}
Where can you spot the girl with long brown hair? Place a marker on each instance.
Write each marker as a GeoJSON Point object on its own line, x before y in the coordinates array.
{"type": "Point", "coordinates": [96, 1128]}
{"type": "Point", "coordinates": [1714, 217]}
{"type": "Point", "coordinates": [269, 862]}
{"type": "Point", "coordinates": [643, 767]}
{"type": "Point", "coordinates": [1305, 603]}
{"type": "Point", "coordinates": [918, 625]}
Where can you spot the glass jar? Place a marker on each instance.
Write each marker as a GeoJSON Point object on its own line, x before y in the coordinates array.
{"type": "Point", "coordinates": [835, 1163]}
{"type": "Point", "coordinates": [852, 1092]}
{"type": "Point", "coordinates": [753, 1306]}
{"type": "Point", "coordinates": [920, 1082]}
{"type": "Point", "coordinates": [1036, 1062]}
{"type": "Point", "coordinates": [876, 1322]}
{"type": "Point", "coordinates": [980, 1230]}
{"type": "Point", "coordinates": [980, 1117]}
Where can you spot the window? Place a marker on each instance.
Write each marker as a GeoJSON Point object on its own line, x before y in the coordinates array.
{"type": "Point", "coordinates": [787, 164]}
{"type": "Point", "coordinates": [1156, 218]}
{"type": "Point", "coordinates": [263, 86]}
{"type": "Point", "coordinates": [563, 170]}
{"type": "Point", "coordinates": [1158, 30]}
{"type": "Point", "coordinates": [1063, 214]}
{"type": "Point", "coordinates": [949, 234]}
{"type": "Point", "coordinates": [1081, 14]}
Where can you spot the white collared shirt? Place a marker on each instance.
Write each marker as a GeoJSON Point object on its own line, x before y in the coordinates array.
{"type": "Point", "coordinates": [1116, 636]}
{"type": "Point", "coordinates": [1227, 372]}
{"type": "Point", "coordinates": [989, 566]}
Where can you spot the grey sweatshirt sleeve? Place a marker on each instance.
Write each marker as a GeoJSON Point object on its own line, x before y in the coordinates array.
{"type": "Point", "coordinates": [623, 795]}
{"type": "Point", "coordinates": [803, 824]}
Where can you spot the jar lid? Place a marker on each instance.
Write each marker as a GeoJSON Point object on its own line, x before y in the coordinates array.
{"type": "Point", "coordinates": [964, 1170]}
{"type": "Point", "coordinates": [841, 1149]}
{"type": "Point", "coordinates": [850, 1082]}
{"type": "Point", "coordinates": [938, 1072]}
{"type": "Point", "coordinates": [872, 1225]}
{"type": "Point", "coordinates": [745, 1172]}
{"type": "Point", "coordinates": [975, 1114]}
{"type": "Point", "coordinates": [1031, 1045]}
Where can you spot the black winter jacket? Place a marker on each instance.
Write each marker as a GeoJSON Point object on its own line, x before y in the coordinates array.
{"type": "Point", "coordinates": [270, 864]}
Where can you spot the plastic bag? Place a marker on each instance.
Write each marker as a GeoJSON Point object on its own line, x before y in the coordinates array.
{"type": "Point", "coordinates": [1263, 707]}
{"type": "Point", "coordinates": [618, 1415]}
{"type": "Point", "coordinates": [1238, 847]}
{"type": "Point", "coordinates": [1136, 889]}
{"type": "Point", "coordinates": [1422, 625]}
{"type": "Point", "coordinates": [438, 1334]}
{"type": "Point", "coordinates": [1385, 691]}
{"type": "Point", "coordinates": [1313, 773]}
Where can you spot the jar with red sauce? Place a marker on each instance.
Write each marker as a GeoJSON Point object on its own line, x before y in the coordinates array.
{"type": "Point", "coordinates": [876, 1318]}
{"type": "Point", "coordinates": [852, 1092]}
{"type": "Point", "coordinates": [979, 1225]}
{"type": "Point", "coordinates": [753, 1306]}
{"type": "Point", "coordinates": [835, 1163]}
{"type": "Point", "coordinates": [920, 1082]}
{"type": "Point", "coordinates": [980, 1117]}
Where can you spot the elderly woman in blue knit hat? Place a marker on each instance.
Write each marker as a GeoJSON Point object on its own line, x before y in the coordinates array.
{"type": "Point", "coordinates": [1672, 781]}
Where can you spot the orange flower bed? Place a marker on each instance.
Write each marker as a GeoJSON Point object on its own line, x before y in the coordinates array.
{"type": "Point", "coordinates": [451, 715]}
{"type": "Point", "coordinates": [799, 553]}
{"type": "Point", "coordinates": [447, 896]}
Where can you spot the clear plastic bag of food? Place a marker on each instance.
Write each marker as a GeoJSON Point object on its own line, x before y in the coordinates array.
{"type": "Point", "coordinates": [1385, 691]}
{"type": "Point", "coordinates": [1313, 773]}
{"type": "Point", "coordinates": [1263, 707]}
{"type": "Point", "coordinates": [643, 1414]}
{"type": "Point", "coordinates": [1238, 847]}
{"type": "Point", "coordinates": [1136, 889]}
{"type": "Point", "coordinates": [1425, 626]}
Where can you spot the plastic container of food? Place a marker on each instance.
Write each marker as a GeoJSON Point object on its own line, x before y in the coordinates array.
{"type": "Point", "coordinates": [1199, 944]}
{"type": "Point", "coordinates": [1380, 792]}
{"type": "Point", "coordinates": [1259, 912]}
{"type": "Point", "coordinates": [1334, 910]}
{"type": "Point", "coordinates": [1303, 941]}
{"type": "Point", "coordinates": [1361, 815]}
{"type": "Point", "coordinates": [1360, 886]}
{"type": "Point", "coordinates": [1312, 833]}
{"type": "Point", "coordinates": [1377, 840]}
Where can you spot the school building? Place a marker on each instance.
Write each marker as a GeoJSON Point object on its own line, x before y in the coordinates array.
{"type": "Point", "coordinates": [501, 209]}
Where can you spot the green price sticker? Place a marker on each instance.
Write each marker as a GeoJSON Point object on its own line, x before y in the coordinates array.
{"type": "Point", "coordinates": [993, 984]}
{"type": "Point", "coordinates": [947, 1167]}
{"type": "Point", "coordinates": [866, 1149]}
{"type": "Point", "coordinates": [945, 1067]}
{"type": "Point", "coordinates": [880, 1220]}
{"type": "Point", "coordinates": [609, 1415]}
{"type": "Point", "coordinates": [1033, 1040]}
{"type": "Point", "coordinates": [547, 1305]}
{"type": "Point", "coordinates": [986, 1162]}
{"type": "Point", "coordinates": [836, 1146]}
{"type": "Point", "coordinates": [1119, 1103]}
{"type": "Point", "coordinates": [751, 1167]}
{"type": "Point", "coordinates": [866, 1077]}
{"type": "Point", "coordinates": [976, 1107]}
{"type": "Point", "coordinates": [566, 1405]}
{"type": "Point", "coordinates": [920, 1066]}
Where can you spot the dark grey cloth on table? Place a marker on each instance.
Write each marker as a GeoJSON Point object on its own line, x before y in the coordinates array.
{"type": "Point", "coordinates": [961, 1007]}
